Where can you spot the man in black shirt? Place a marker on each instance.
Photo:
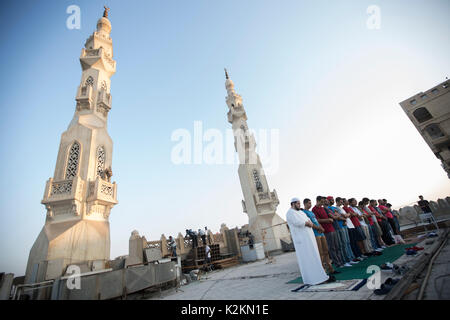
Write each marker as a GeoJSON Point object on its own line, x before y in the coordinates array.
{"type": "Point", "coordinates": [424, 205]}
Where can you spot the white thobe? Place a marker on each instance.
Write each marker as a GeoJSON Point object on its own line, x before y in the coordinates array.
{"type": "Point", "coordinates": [305, 244]}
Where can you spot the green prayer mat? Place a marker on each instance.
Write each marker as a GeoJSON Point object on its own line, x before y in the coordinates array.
{"type": "Point", "coordinates": [359, 270]}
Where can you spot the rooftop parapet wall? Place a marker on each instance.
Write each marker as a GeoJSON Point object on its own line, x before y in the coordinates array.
{"type": "Point", "coordinates": [410, 214]}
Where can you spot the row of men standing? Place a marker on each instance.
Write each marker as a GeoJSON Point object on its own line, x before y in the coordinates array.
{"type": "Point", "coordinates": [344, 234]}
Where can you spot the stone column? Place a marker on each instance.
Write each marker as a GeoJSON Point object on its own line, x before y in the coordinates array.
{"type": "Point", "coordinates": [136, 249]}
{"type": "Point", "coordinates": [164, 250]}
{"type": "Point", "coordinates": [210, 236]}
{"type": "Point", "coordinates": [223, 229]}
{"type": "Point", "coordinates": [180, 244]}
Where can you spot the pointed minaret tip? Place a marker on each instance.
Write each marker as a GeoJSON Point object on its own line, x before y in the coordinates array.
{"type": "Point", "coordinates": [226, 73]}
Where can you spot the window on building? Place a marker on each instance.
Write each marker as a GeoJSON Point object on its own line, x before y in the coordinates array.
{"type": "Point", "coordinates": [90, 81]}
{"type": "Point", "coordinates": [422, 115]}
{"type": "Point", "coordinates": [413, 102]}
{"type": "Point", "coordinates": [72, 161]}
{"type": "Point", "coordinates": [424, 96]}
{"type": "Point", "coordinates": [434, 131]}
{"type": "Point", "coordinates": [100, 160]}
{"type": "Point", "coordinates": [258, 183]}
{"type": "Point", "coordinates": [434, 91]}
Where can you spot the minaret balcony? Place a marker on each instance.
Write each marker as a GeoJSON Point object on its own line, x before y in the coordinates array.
{"type": "Point", "coordinates": [266, 198]}
{"type": "Point", "coordinates": [236, 113]}
{"type": "Point", "coordinates": [110, 63]}
{"type": "Point", "coordinates": [102, 191]}
{"type": "Point", "coordinates": [103, 102]}
{"type": "Point", "coordinates": [62, 190]}
{"type": "Point", "coordinates": [84, 98]}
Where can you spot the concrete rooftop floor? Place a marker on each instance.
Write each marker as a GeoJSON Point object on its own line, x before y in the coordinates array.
{"type": "Point", "coordinates": [268, 281]}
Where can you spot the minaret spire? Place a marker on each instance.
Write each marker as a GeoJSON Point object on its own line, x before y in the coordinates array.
{"type": "Point", "coordinates": [259, 202]}
{"type": "Point", "coordinates": [226, 73]}
{"type": "Point", "coordinates": [80, 195]}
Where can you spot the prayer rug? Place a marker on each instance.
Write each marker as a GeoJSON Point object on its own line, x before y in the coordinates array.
{"type": "Point", "coordinates": [359, 270]}
{"type": "Point", "coordinates": [345, 285]}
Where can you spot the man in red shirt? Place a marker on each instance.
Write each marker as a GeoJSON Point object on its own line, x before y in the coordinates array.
{"type": "Point", "coordinates": [375, 216]}
{"type": "Point", "coordinates": [388, 215]}
{"type": "Point", "coordinates": [330, 234]}
{"type": "Point", "coordinates": [384, 224]}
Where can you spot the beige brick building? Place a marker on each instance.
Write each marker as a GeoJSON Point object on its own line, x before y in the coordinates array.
{"type": "Point", "coordinates": [429, 111]}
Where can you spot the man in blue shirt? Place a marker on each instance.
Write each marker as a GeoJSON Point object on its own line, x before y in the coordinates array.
{"type": "Point", "coordinates": [320, 238]}
{"type": "Point", "coordinates": [344, 228]}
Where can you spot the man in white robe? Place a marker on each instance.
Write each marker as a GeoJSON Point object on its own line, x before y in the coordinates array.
{"type": "Point", "coordinates": [305, 244]}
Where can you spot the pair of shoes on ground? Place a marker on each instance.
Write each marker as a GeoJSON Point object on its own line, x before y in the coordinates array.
{"type": "Point", "coordinates": [415, 248]}
{"type": "Point", "coordinates": [347, 265]}
{"type": "Point", "coordinates": [388, 266]}
{"type": "Point", "coordinates": [400, 270]}
{"type": "Point", "coordinates": [386, 286]}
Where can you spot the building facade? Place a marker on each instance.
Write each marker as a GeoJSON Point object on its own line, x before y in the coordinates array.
{"type": "Point", "coordinates": [80, 195]}
{"type": "Point", "coordinates": [429, 111]}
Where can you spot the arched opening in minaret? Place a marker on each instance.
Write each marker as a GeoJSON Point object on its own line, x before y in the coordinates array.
{"type": "Point", "coordinates": [73, 161]}
{"type": "Point", "coordinates": [89, 81]}
{"type": "Point", "coordinates": [101, 158]}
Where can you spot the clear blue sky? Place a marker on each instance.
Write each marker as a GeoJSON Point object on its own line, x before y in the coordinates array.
{"type": "Point", "coordinates": [311, 69]}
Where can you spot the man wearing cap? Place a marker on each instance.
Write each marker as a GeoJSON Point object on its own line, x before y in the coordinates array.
{"type": "Point", "coordinates": [305, 244]}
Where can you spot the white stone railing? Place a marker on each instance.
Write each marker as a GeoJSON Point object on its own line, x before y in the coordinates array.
{"type": "Point", "coordinates": [184, 245]}
{"type": "Point", "coordinates": [263, 195]}
{"type": "Point", "coordinates": [266, 197]}
{"type": "Point", "coordinates": [61, 187]}
{"type": "Point", "coordinates": [91, 52]}
{"type": "Point", "coordinates": [63, 190]}
{"type": "Point", "coordinates": [84, 97]}
{"type": "Point", "coordinates": [103, 102]}
{"type": "Point", "coordinates": [102, 190]}
{"type": "Point", "coordinates": [110, 61]}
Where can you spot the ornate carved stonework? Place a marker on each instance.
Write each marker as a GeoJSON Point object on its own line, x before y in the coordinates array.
{"type": "Point", "coordinates": [72, 161]}
{"type": "Point", "coordinates": [62, 187]}
{"type": "Point", "coordinates": [260, 204]}
{"type": "Point", "coordinates": [89, 81]}
{"type": "Point", "coordinates": [78, 201]}
{"type": "Point", "coordinates": [100, 160]}
{"type": "Point", "coordinates": [107, 190]}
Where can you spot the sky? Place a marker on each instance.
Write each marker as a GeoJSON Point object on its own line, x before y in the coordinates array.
{"type": "Point", "coordinates": [314, 72]}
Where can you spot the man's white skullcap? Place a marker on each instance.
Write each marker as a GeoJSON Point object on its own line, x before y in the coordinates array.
{"type": "Point", "coordinates": [295, 200]}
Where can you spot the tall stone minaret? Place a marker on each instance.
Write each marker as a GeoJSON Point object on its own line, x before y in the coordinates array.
{"type": "Point", "coordinates": [80, 195]}
{"type": "Point", "coordinates": [259, 202]}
